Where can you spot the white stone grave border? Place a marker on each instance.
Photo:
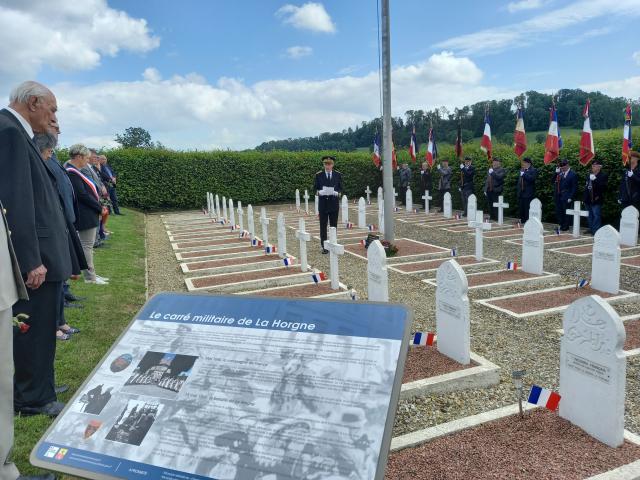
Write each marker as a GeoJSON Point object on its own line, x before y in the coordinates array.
{"type": "Point", "coordinates": [626, 264]}
{"type": "Point", "coordinates": [238, 268]}
{"type": "Point", "coordinates": [225, 236]}
{"type": "Point", "coordinates": [254, 284]}
{"type": "Point", "coordinates": [239, 243]}
{"type": "Point", "coordinates": [445, 252]}
{"type": "Point", "coordinates": [581, 238]}
{"type": "Point", "coordinates": [344, 235]}
{"type": "Point", "coordinates": [220, 254]}
{"type": "Point", "coordinates": [340, 293]}
{"type": "Point", "coordinates": [629, 471]}
{"type": "Point", "coordinates": [559, 250]}
{"type": "Point", "coordinates": [623, 295]}
{"type": "Point", "coordinates": [442, 225]}
{"type": "Point", "coordinates": [544, 278]}
{"type": "Point", "coordinates": [484, 374]}
{"type": "Point", "coordinates": [626, 318]}
{"type": "Point", "coordinates": [485, 261]}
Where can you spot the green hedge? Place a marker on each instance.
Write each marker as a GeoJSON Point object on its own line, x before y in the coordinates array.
{"type": "Point", "coordinates": [164, 179]}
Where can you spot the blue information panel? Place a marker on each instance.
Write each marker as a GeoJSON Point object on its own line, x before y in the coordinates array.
{"type": "Point", "coordinates": [240, 388]}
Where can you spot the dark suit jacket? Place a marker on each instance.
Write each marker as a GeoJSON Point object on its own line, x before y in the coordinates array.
{"type": "Point", "coordinates": [326, 203]}
{"type": "Point", "coordinates": [467, 178]}
{"type": "Point", "coordinates": [495, 181]}
{"type": "Point", "coordinates": [594, 190]}
{"type": "Point", "coordinates": [630, 187]}
{"type": "Point", "coordinates": [526, 183]}
{"type": "Point", "coordinates": [564, 188]}
{"type": "Point", "coordinates": [34, 211]}
{"type": "Point", "coordinates": [426, 181]}
{"type": "Point", "coordinates": [89, 207]}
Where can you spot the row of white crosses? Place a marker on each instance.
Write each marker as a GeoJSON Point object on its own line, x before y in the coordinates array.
{"type": "Point", "coordinates": [306, 201]}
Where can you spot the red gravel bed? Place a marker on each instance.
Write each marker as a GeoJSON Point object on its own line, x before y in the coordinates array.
{"type": "Point", "coordinates": [204, 228]}
{"type": "Point", "coordinates": [632, 327]}
{"type": "Point", "coordinates": [210, 234]}
{"type": "Point", "coordinates": [429, 264]}
{"type": "Point", "coordinates": [463, 228]}
{"type": "Point", "coordinates": [554, 238]}
{"type": "Point", "coordinates": [504, 233]}
{"type": "Point", "coordinates": [427, 362]}
{"type": "Point", "coordinates": [541, 445]}
{"type": "Point", "coordinates": [305, 290]}
{"type": "Point", "coordinates": [531, 301]}
{"type": "Point", "coordinates": [226, 278]}
{"type": "Point", "coordinates": [495, 277]}
{"type": "Point", "coordinates": [188, 224]}
{"type": "Point", "coordinates": [213, 253]}
{"type": "Point", "coordinates": [634, 261]}
{"type": "Point", "coordinates": [405, 247]}
{"type": "Point", "coordinates": [224, 262]}
{"type": "Point", "coordinates": [211, 243]}
{"type": "Point", "coordinates": [577, 250]}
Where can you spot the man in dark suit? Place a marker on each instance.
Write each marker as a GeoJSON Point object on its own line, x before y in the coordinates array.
{"type": "Point", "coordinates": [594, 191]}
{"type": "Point", "coordinates": [41, 239]}
{"type": "Point", "coordinates": [467, 171]}
{"type": "Point", "coordinates": [565, 184]}
{"type": "Point", "coordinates": [526, 188]}
{"type": "Point", "coordinates": [328, 185]}
{"type": "Point", "coordinates": [493, 186]}
{"type": "Point", "coordinates": [630, 183]}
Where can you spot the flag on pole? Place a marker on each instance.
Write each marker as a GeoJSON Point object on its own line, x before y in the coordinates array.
{"type": "Point", "coordinates": [432, 149]}
{"type": "Point", "coordinates": [554, 141]}
{"type": "Point", "coordinates": [627, 144]}
{"type": "Point", "coordinates": [459, 141]}
{"type": "Point", "coordinates": [413, 145]}
{"type": "Point", "coordinates": [394, 158]}
{"type": "Point", "coordinates": [376, 150]}
{"type": "Point", "coordinates": [544, 397]}
{"type": "Point", "coordinates": [512, 266]}
{"type": "Point", "coordinates": [318, 277]}
{"type": "Point", "coordinates": [587, 150]}
{"type": "Point", "coordinates": [485, 143]}
{"type": "Point", "coordinates": [519, 136]}
{"type": "Point", "coordinates": [423, 338]}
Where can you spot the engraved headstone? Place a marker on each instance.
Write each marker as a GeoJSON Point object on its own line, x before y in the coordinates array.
{"type": "Point", "coordinates": [447, 208]}
{"type": "Point", "coordinates": [335, 249]}
{"type": "Point", "coordinates": [605, 263]}
{"type": "Point", "coordinates": [224, 209]}
{"type": "Point", "coordinates": [533, 247]}
{"type": "Point", "coordinates": [250, 223]}
{"type": "Point", "coordinates": [264, 221]}
{"type": "Point", "coordinates": [306, 202]}
{"type": "Point", "coordinates": [409, 200]}
{"type": "Point", "coordinates": [345, 209]}
{"type": "Point", "coordinates": [282, 235]}
{"type": "Point", "coordinates": [452, 312]}
{"type": "Point", "coordinates": [426, 197]}
{"type": "Point", "coordinates": [472, 208]}
{"type": "Point", "coordinates": [535, 209]}
{"type": "Point", "coordinates": [303, 237]}
{"type": "Point", "coordinates": [576, 213]}
{"type": "Point", "coordinates": [377, 274]}
{"type": "Point", "coordinates": [593, 369]}
{"type": "Point", "coordinates": [362, 213]}
{"type": "Point", "coordinates": [629, 226]}
{"type": "Point", "coordinates": [297, 200]}
{"type": "Point", "coordinates": [232, 214]}
{"type": "Point", "coordinates": [480, 226]}
{"type": "Point", "coordinates": [501, 205]}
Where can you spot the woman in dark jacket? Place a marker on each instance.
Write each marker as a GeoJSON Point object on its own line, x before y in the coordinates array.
{"type": "Point", "coordinates": [89, 208]}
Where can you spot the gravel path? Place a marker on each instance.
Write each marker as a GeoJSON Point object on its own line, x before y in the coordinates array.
{"type": "Point", "coordinates": [532, 344]}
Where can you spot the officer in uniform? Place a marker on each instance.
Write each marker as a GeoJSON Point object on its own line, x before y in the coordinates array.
{"type": "Point", "coordinates": [630, 183]}
{"type": "Point", "coordinates": [467, 171]}
{"type": "Point", "coordinates": [328, 185]}
{"type": "Point", "coordinates": [526, 188]}
{"type": "Point", "coordinates": [565, 185]}
{"type": "Point", "coordinates": [595, 188]}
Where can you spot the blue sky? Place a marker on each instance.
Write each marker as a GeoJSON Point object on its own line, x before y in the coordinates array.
{"type": "Point", "coordinates": [213, 74]}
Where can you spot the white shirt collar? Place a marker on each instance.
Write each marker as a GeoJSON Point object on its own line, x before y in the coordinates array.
{"type": "Point", "coordinates": [22, 120]}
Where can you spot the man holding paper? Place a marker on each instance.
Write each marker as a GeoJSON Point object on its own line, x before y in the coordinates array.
{"type": "Point", "coordinates": [328, 184]}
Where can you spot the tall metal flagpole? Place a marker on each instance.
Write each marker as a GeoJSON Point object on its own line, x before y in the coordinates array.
{"type": "Point", "coordinates": [387, 142]}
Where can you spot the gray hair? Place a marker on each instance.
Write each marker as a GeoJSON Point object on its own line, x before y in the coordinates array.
{"type": "Point", "coordinates": [78, 149]}
{"type": "Point", "coordinates": [26, 90]}
{"type": "Point", "coordinates": [45, 141]}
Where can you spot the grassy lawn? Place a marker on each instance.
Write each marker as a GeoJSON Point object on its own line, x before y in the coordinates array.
{"type": "Point", "coordinates": [107, 310]}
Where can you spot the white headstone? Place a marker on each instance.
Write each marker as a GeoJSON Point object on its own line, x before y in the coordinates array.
{"type": "Point", "coordinates": [409, 200]}
{"type": "Point", "coordinates": [335, 249]}
{"type": "Point", "coordinates": [224, 209]}
{"type": "Point", "coordinates": [282, 235]}
{"type": "Point", "coordinates": [232, 214]}
{"type": "Point", "coordinates": [452, 313]}
{"type": "Point", "coordinates": [209, 209]}
{"type": "Point", "coordinates": [250, 222]}
{"type": "Point", "coordinates": [380, 193]}
{"type": "Point", "coordinates": [217, 207]}
{"type": "Point", "coordinates": [317, 200]}
{"type": "Point", "coordinates": [297, 199]}
{"type": "Point", "coordinates": [480, 226]}
{"type": "Point", "coordinates": [240, 217]}
{"type": "Point", "coordinates": [306, 202]}
{"type": "Point", "coordinates": [472, 208]}
{"type": "Point", "coordinates": [368, 193]}
{"type": "Point", "coordinates": [447, 209]}
{"type": "Point", "coordinates": [362, 213]}
{"type": "Point", "coordinates": [345, 209]}
{"type": "Point", "coordinates": [380, 211]}
{"type": "Point", "coordinates": [576, 213]}
{"type": "Point", "coordinates": [303, 237]}
{"type": "Point", "coordinates": [605, 263]}
{"type": "Point", "coordinates": [533, 247]}
{"type": "Point", "coordinates": [535, 209]}
{"type": "Point", "coordinates": [501, 205]}
{"type": "Point", "coordinates": [593, 369]}
{"type": "Point", "coordinates": [629, 226]}
{"type": "Point", "coordinates": [377, 274]}
{"type": "Point", "coordinates": [264, 221]}
{"type": "Point", "coordinates": [426, 197]}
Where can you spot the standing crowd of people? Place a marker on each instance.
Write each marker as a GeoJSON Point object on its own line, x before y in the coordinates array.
{"type": "Point", "coordinates": [53, 217]}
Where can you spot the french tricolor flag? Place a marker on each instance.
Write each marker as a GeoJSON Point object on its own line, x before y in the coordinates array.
{"type": "Point", "coordinates": [348, 225]}
{"type": "Point", "coordinates": [519, 136]}
{"type": "Point", "coordinates": [244, 233]}
{"type": "Point", "coordinates": [454, 252]}
{"type": "Point", "coordinates": [413, 145]}
{"type": "Point", "coordinates": [256, 243]}
{"type": "Point", "coordinates": [512, 266]}
{"type": "Point", "coordinates": [423, 338]}
{"type": "Point", "coordinates": [432, 149]}
{"type": "Point", "coordinates": [353, 294]}
{"type": "Point", "coordinates": [396, 209]}
{"type": "Point", "coordinates": [544, 398]}
{"type": "Point", "coordinates": [415, 210]}
{"type": "Point", "coordinates": [626, 136]}
{"type": "Point", "coordinates": [270, 249]}
{"type": "Point", "coordinates": [554, 141]}
{"type": "Point", "coordinates": [485, 144]}
{"type": "Point", "coordinates": [376, 150]}
{"type": "Point", "coordinates": [318, 277]}
{"type": "Point", "coordinates": [222, 222]}
{"type": "Point", "coordinates": [583, 282]}
{"type": "Point", "coordinates": [457, 216]}
{"type": "Point", "coordinates": [288, 261]}
{"type": "Point", "coordinates": [556, 230]}
{"type": "Point", "coordinates": [371, 227]}
{"type": "Point", "coordinates": [235, 227]}
{"type": "Point", "coordinates": [587, 150]}
{"type": "Point", "coordinates": [363, 242]}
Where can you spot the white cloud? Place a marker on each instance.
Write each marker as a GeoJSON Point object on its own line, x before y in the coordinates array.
{"type": "Point", "coordinates": [64, 34]}
{"type": "Point", "coordinates": [627, 87]}
{"type": "Point", "coordinates": [636, 57]}
{"type": "Point", "coordinates": [596, 32]}
{"type": "Point", "coordinates": [529, 31]}
{"type": "Point", "coordinates": [298, 51]}
{"type": "Point", "coordinates": [310, 16]}
{"type": "Point", "coordinates": [520, 5]}
{"type": "Point", "coordinates": [187, 112]}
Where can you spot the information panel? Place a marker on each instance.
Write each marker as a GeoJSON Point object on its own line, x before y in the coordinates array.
{"type": "Point", "coordinates": [240, 388]}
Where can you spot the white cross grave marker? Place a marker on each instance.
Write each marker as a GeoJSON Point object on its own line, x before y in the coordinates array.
{"type": "Point", "coordinates": [533, 247]}
{"type": "Point", "coordinates": [297, 200]}
{"type": "Point", "coordinates": [447, 210]}
{"type": "Point", "coordinates": [577, 213]}
{"type": "Point", "coordinates": [593, 369]}
{"type": "Point", "coordinates": [317, 199]}
{"type": "Point", "coordinates": [303, 237]}
{"type": "Point", "coordinates": [380, 211]}
{"type": "Point", "coordinates": [629, 226]}
{"type": "Point", "coordinates": [377, 274]}
{"type": "Point", "coordinates": [480, 226]}
{"type": "Point", "coordinates": [472, 208]}
{"type": "Point", "coordinates": [240, 218]}
{"type": "Point", "coordinates": [501, 206]}
{"type": "Point", "coordinates": [250, 223]}
{"type": "Point", "coordinates": [453, 325]}
{"type": "Point", "coordinates": [224, 209]}
{"type": "Point", "coordinates": [362, 213]}
{"type": "Point", "coordinates": [209, 212]}
{"type": "Point", "coordinates": [605, 262]}
{"type": "Point", "coordinates": [335, 249]}
{"type": "Point", "coordinates": [409, 200]}
{"type": "Point", "coordinates": [306, 202]}
{"type": "Point", "coordinates": [345, 209]}
{"type": "Point", "coordinates": [368, 193]}
{"type": "Point", "coordinates": [217, 207]}
{"type": "Point", "coordinates": [535, 209]}
{"type": "Point", "coordinates": [426, 197]}
{"type": "Point", "coordinates": [232, 214]}
{"type": "Point", "coordinates": [380, 193]}
{"type": "Point", "coordinates": [282, 235]}
{"type": "Point", "coordinates": [264, 221]}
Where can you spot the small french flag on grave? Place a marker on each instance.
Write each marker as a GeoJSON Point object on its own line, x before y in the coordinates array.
{"type": "Point", "coordinates": [512, 266]}
{"type": "Point", "coordinates": [544, 397]}
{"type": "Point", "coordinates": [256, 243]}
{"type": "Point", "coordinates": [270, 249]}
{"type": "Point", "coordinates": [288, 261]}
{"type": "Point", "coordinates": [415, 210]}
{"type": "Point", "coordinates": [423, 338]}
{"type": "Point", "coordinates": [396, 209]}
{"type": "Point", "coordinates": [454, 252]}
{"type": "Point", "coordinates": [348, 225]}
{"type": "Point", "coordinates": [556, 230]}
{"type": "Point", "coordinates": [222, 222]}
{"type": "Point", "coordinates": [363, 242]}
{"type": "Point", "coordinates": [353, 295]}
{"type": "Point", "coordinates": [204, 212]}
{"type": "Point", "coordinates": [583, 282]}
{"type": "Point", "coordinates": [244, 233]}
{"type": "Point", "coordinates": [234, 227]}
{"type": "Point", "coordinates": [372, 227]}
{"type": "Point", "coordinates": [318, 277]}
{"type": "Point", "coordinates": [457, 216]}
{"type": "Point", "coordinates": [518, 225]}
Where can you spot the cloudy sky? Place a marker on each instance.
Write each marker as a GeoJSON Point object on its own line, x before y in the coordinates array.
{"type": "Point", "coordinates": [220, 74]}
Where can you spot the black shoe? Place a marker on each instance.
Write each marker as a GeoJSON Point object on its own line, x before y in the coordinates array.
{"type": "Point", "coordinates": [73, 305]}
{"type": "Point", "coordinates": [70, 297]}
{"type": "Point", "coordinates": [51, 409]}
{"type": "Point", "coordinates": [48, 476]}
{"type": "Point", "coordinates": [325, 251]}
{"type": "Point", "coordinates": [61, 388]}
